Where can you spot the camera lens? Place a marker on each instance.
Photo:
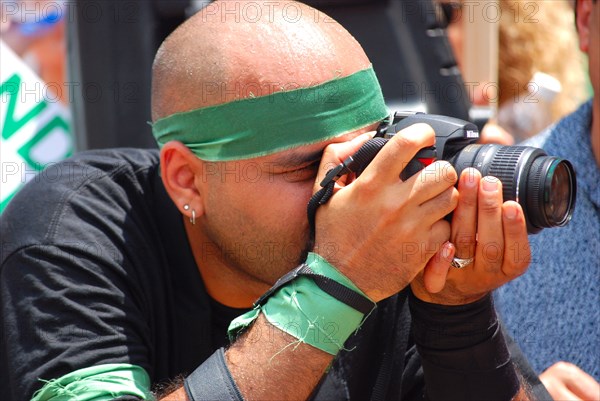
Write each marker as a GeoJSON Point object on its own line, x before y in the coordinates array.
{"type": "Point", "coordinates": [558, 206]}
{"type": "Point", "coordinates": [554, 191]}
{"type": "Point", "coordinates": [543, 185]}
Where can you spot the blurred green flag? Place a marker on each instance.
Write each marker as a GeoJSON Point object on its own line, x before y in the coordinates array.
{"type": "Point", "coordinates": [35, 126]}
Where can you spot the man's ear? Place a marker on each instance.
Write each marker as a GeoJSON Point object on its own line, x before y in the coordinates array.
{"type": "Point", "coordinates": [179, 168]}
{"type": "Point", "coordinates": [584, 13]}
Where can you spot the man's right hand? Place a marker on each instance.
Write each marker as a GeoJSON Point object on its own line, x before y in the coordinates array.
{"type": "Point", "coordinates": [567, 382]}
{"type": "Point", "coordinates": [384, 230]}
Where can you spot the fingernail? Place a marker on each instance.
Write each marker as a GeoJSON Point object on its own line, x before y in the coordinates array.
{"type": "Point", "coordinates": [447, 250]}
{"type": "Point", "coordinates": [469, 179]}
{"type": "Point", "coordinates": [490, 184]}
{"type": "Point", "coordinates": [510, 212]}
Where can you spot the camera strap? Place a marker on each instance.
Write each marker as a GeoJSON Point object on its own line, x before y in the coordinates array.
{"type": "Point", "coordinates": [353, 164]}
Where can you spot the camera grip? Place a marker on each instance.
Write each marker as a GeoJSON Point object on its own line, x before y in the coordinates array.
{"type": "Point", "coordinates": [422, 159]}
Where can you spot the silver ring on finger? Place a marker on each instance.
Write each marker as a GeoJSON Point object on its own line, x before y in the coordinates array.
{"type": "Point", "coordinates": [460, 263]}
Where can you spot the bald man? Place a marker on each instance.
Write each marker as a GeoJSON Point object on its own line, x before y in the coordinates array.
{"type": "Point", "coordinates": [130, 274]}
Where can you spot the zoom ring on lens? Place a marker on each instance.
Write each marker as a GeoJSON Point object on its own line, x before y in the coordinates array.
{"type": "Point", "coordinates": [536, 191]}
{"type": "Point", "coordinates": [504, 167]}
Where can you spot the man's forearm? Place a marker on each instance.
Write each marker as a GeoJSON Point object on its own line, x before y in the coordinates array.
{"type": "Point", "coordinates": [269, 364]}
{"type": "Point", "coordinates": [180, 395]}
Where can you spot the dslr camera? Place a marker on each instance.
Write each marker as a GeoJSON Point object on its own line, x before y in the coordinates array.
{"type": "Point", "coordinates": [543, 185]}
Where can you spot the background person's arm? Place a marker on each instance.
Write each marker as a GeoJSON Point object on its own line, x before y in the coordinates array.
{"type": "Point", "coordinates": [566, 381]}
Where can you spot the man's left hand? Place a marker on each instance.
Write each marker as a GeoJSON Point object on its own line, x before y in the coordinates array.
{"type": "Point", "coordinates": [484, 228]}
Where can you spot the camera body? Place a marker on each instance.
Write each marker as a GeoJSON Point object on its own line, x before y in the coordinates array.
{"type": "Point", "coordinates": [451, 136]}
{"type": "Point", "coordinates": [544, 186]}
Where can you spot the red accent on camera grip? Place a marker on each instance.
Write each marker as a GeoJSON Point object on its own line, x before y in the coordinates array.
{"type": "Point", "coordinates": [426, 161]}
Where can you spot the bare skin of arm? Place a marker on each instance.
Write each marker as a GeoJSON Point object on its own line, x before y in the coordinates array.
{"type": "Point", "coordinates": [279, 369]}
{"type": "Point", "coordinates": [282, 360]}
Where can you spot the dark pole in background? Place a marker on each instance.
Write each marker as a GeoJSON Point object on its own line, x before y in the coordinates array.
{"type": "Point", "coordinates": [408, 46]}
{"type": "Point", "coordinates": [111, 45]}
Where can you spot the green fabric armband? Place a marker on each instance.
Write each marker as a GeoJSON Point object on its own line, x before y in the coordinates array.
{"type": "Point", "coordinates": [98, 383]}
{"type": "Point", "coordinates": [306, 312]}
{"type": "Point", "coordinates": [258, 126]}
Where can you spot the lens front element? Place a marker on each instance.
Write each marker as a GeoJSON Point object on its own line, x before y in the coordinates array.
{"type": "Point", "coordinates": [557, 193]}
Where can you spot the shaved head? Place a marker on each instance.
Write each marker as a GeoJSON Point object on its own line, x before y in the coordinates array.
{"type": "Point", "coordinates": [233, 50]}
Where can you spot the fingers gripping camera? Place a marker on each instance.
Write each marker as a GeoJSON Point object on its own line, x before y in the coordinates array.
{"type": "Point", "coordinates": [544, 186]}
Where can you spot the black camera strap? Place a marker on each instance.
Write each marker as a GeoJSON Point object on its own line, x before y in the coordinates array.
{"type": "Point", "coordinates": [331, 287]}
{"type": "Point", "coordinates": [353, 164]}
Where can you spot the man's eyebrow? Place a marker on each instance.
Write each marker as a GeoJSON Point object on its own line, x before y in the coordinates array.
{"type": "Point", "coordinates": [297, 159]}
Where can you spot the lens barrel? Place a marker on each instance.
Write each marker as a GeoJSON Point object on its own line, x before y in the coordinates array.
{"type": "Point", "coordinates": [544, 186]}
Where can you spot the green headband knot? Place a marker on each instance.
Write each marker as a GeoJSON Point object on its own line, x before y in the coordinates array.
{"type": "Point", "coordinates": [259, 126]}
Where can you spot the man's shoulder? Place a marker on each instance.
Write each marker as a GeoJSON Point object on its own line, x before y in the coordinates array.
{"type": "Point", "coordinates": [86, 189]}
{"type": "Point", "coordinates": [95, 167]}
{"type": "Point", "coordinates": [110, 161]}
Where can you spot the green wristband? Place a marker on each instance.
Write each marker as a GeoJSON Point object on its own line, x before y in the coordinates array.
{"type": "Point", "coordinates": [304, 311]}
{"type": "Point", "coordinates": [98, 383]}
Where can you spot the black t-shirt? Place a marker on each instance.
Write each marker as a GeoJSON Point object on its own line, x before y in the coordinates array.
{"type": "Point", "coordinates": [96, 268]}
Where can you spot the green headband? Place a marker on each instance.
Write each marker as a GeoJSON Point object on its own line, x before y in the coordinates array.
{"type": "Point", "coordinates": [258, 126]}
